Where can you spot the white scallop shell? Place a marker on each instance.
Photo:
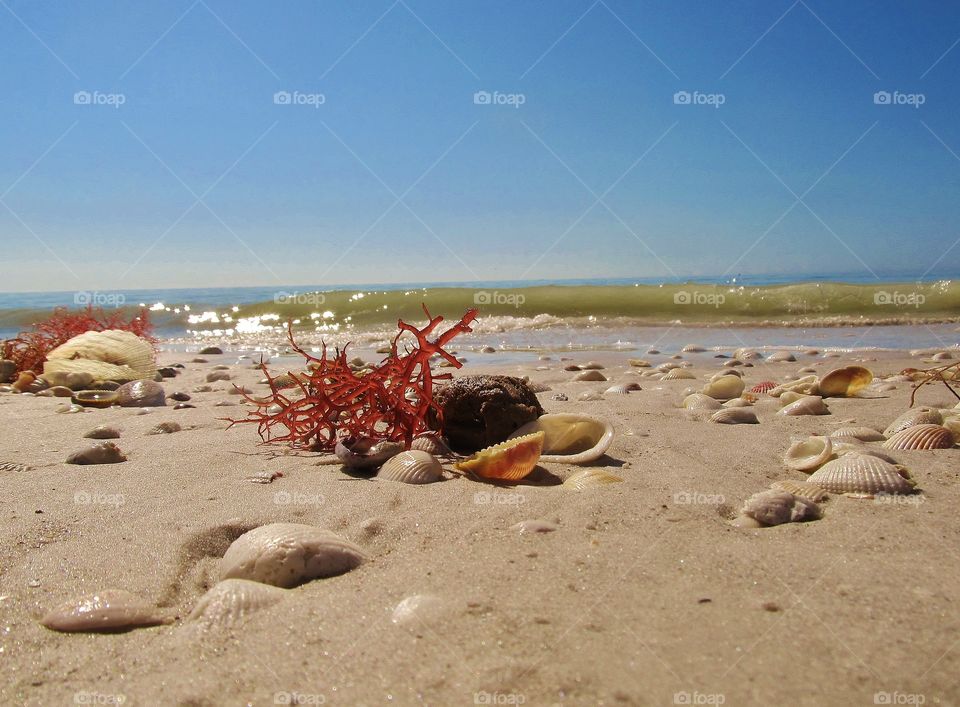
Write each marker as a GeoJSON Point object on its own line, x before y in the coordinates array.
{"type": "Point", "coordinates": [775, 507]}
{"type": "Point", "coordinates": [412, 467]}
{"type": "Point", "coordinates": [677, 374]}
{"type": "Point", "coordinates": [288, 554]}
{"type": "Point", "coordinates": [106, 355]}
{"type": "Point", "coordinates": [617, 390]}
{"type": "Point", "coordinates": [807, 405]}
{"type": "Point", "coordinates": [570, 438]}
{"type": "Point", "coordinates": [588, 478]}
{"type": "Point", "coordinates": [802, 489]}
{"type": "Point", "coordinates": [106, 610]}
{"type": "Point", "coordinates": [915, 416]}
{"type": "Point", "coordinates": [724, 388]}
{"type": "Point", "coordinates": [699, 401]}
{"type": "Point", "coordinates": [230, 601]}
{"type": "Point", "coordinates": [735, 416]}
{"type": "Point", "coordinates": [921, 437]}
{"type": "Point", "coordinates": [864, 434]}
{"type": "Point", "coordinates": [857, 473]}
{"type": "Point", "coordinates": [809, 453]}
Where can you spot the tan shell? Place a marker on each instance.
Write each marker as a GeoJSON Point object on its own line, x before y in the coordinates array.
{"type": "Point", "coordinates": [921, 437]}
{"type": "Point", "coordinates": [288, 554]}
{"type": "Point", "coordinates": [741, 402]}
{"type": "Point", "coordinates": [775, 507]}
{"type": "Point", "coordinates": [677, 374]}
{"type": "Point", "coordinates": [807, 405]}
{"type": "Point", "coordinates": [98, 453]}
{"type": "Point", "coordinates": [431, 444]}
{"type": "Point", "coordinates": [721, 374]}
{"type": "Point", "coordinates": [106, 355]}
{"type": "Point", "coordinates": [590, 375]}
{"type": "Point", "coordinates": [638, 362]}
{"type": "Point", "coordinates": [106, 610]}
{"type": "Point", "coordinates": [735, 416]}
{"type": "Point", "coordinates": [617, 390]}
{"type": "Point", "coordinates": [724, 388]}
{"type": "Point", "coordinates": [802, 489]}
{"type": "Point", "coordinates": [808, 454]}
{"type": "Point", "coordinates": [807, 385]}
{"type": "Point", "coordinates": [845, 382]}
{"type": "Point", "coordinates": [915, 416]}
{"type": "Point", "coordinates": [230, 601]}
{"type": "Point", "coordinates": [412, 467]}
{"type": "Point", "coordinates": [864, 434]}
{"type": "Point", "coordinates": [570, 438]}
{"type": "Point", "coordinates": [699, 401]}
{"type": "Point", "coordinates": [588, 478]}
{"type": "Point", "coordinates": [857, 473]}
{"type": "Point", "coordinates": [747, 354]}
{"type": "Point", "coordinates": [781, 357]}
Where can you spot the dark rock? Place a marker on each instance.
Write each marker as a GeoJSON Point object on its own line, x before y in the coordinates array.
{"type": "Point", "coordinates": [139, 394]}
{"type": "Point", "coordinates": [168, 372]}
{"type": "Point", "coordinates": [211, 351]}
{"type": "Point", "coordinates": [179, 396]}
{"type": "Point", "coordinates": [8, 371]}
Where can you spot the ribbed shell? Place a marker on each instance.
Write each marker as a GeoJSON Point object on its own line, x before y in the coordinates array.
{"type": "Point", "coordinates": [735, 416]}
{"type": "Point", "coordinates": [699, 401]}
{"type": "Point", "coordinates": [864, 434]}
{"type": "Point", "coordinates": [508, 460]}
{"type": "Point", "coordinates": [803, 489]}
{"type": "Point", "coordinates": [126, 355]}
{"type": "Point", "coordinates": [106, 610]}
{"type": "Point", "coordinates": [570, 438]}
{"type": "Point", "coordinates": [431, 444]}
{"type": "Point", "coordinates": [677, 374]}
{"type": "Point", "coordinates": [617, 390]}
{"type": "Point", "coordinates": [763, 387]}
{"type": "Point", "coordinates": [809, 453]}
{"type": "Point", "coordinates": [916, 416]}
{"type": "Point", "coordinates": [861, 474]}
{"type": "Point", "coordinates": [724, 388]}
{"type": "Point", "coordinates": [807, 405]}
{"type": "Point", "coordinates": [230, 601]}
{"type": "Point", "coordinates": [921, 437]}
{"type": "Point", "coordinates": [588, 478]}
{"type": "Point", "coordinates": [775, 507]}
{"type": "Point", "coordinates": [412, 467]}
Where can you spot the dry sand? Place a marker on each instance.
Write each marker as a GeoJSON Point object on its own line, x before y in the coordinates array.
{"type": "Point", "coordinates": [637, 598]}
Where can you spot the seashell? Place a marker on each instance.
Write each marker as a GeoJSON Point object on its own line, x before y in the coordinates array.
{"type": "Point", "coordinates": [747, 354]}
{"type": "Point", "coordinates": [781, 357]}
{"type": "Point", "coordinates": [638, 363]}
{"type": "Point", "coordinates": [412, 467]}
{"type": "Point", "coordinates": [510, 460]}
{"type": "Point", "coordinates": [14, 466]}
{"type": "Point", "coordinates": [807, 369]}
{"type": "Point", "coordinates": [617, 390]}
{"type": "Point", "coordinates": [365, 452]}
{"type": "Point", "coordinates": [534, 526]}
{"type": "Point", "coordinates": [24, 380]}
{"type": "Point", "coordinates": [288, 554]}
{"type": "Point", "coordinates": [559, 396]}
{"type": "Point", "coordinates": [735, 416]}
{"type": "Point", "coordinates": [915, 416]}
{"type": "Point", "coordinates": [864, 434]}
{"type": "Point", "coordinates": [228, 602]}
{"type": "Point", "coordinates": [592, 375]}
{"type": "Point", "coordinates": [667, 366]}
{"type": "Point", "coordinates": [858, 473]}
{"type": "Point", "coordinates": [807, 405]}
{"type": "Point", "coordinates": [807, 385]}
{"type": "Point", "coordinates": [98, 453]}
{"type": "Point", "coordinates": [941, 356]}
{"type": "Point", "coordinates": [693, 348]}
{"type": "Point", "coordinates": [633, 386]}
{"type": "Point", "coordinates": [592, 366]}
{"type": "Point", "coordinates": [852, 446]}
{"type": "Point", "coordinates": [699, 401]}
{"type": "Point", "coordinates": [652, 351]}
{"type": "Point", "coordinates": [808, 454]}
{"type": "Point", "coordinates": [141, 393]}
{"type": "Point", "coordinates": [720, 374]}
{"type": "Point", "coordinates": [538, 387]}
{"type": "Point", "coordinates": [590, 395]}
{"type": "Point", "coordinates": [677, 374]}
{"type": "Point", "coordinates": [214, 376]}
{"type": "Point", "coordinates": [845, 382]}
{"type": "Point", "coordinates": [570, 438]}
{"type": "Point", "coordinates": [791, 396]}
{"type": "Point", "coordinates": [921, 437]}
{"type": "Point", "coordinates": [733, 362]}
{"type": "Point", "coordinates": [811, 492]}
{"type": "Point", "coordinates": [431, 444]}
{"type": "Point", "coordinates": [572, 367]}
{"type": "Point", "coordinates": [56, 391]}
{"type": "Point", "coordinates": [952, 424]}
{"type": "Point", "coordinates": [763, 387]}
{"type": "Point", "coordinates": [588, 478]}
{"type": "Point", "coordinates": [775, 507]}
{"type": "Point", "coordinates": [165, 428]}
{"type": "Point", "coordinates": [740, 402]}
{"type": "Point", "coordinates": [74, 380]}
{"type": "Point", "coordinates": [724, 388]}
{"type": "Point", "coordinates": [746, 397]}
{"type": "Point", "coordinates": [95, 398]}
{"type": "Point", "coordinates": [103, 432]}
{"type": "Point", "coordinates": [106, 610]}
{"type": "Point", "coordinates": [106, 355]}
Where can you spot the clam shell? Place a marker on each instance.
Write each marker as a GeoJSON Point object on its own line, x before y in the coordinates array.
{"type": "Point", "coordinates": [591, 375]}
{"type": "Point", "coordinates": [802, 489]}
{"type": "Point", "coordinates": [412, 467]}
{"type": "Point", "coordinates": [845, 382]}
{"type": "Point", "coordinates": [588, 478]}
{"type": "Point", "coordinates": [864, 434]}
{"type": "Point", "coordinates": [509, 460]}
{"type": "Point", "coordinates": [791, 396]}
{"type": "Point", "coordinates": [677, 374]}
{"type": "Point", "coordinates": [735, 416]}
{"type": "Point", "coordinates": [740, 402]}
{"type": "Point", "coordinates": [699, 401]}
{"type": "Point", "coordinates": [571, 438]}
{"type": "Point", "coordinates": [809, 453]}
{"type": "Point", "coordinates": [915, 416]}
{"type": "Point", "coordinates": [807, 405]}
{"type": "Point", "coordinates": [724, 388]}
{"type": "Point", "coordinates": [106, 610]}
{"type": "Point", "coordinates": [98, 453]}
{"type": "Point", "coordinates": [103, 432]}
{"type": "Point", "coordinates": [230, 601]}
{"type": "Point", "coordinates": [921, 437]}
{"type": "Point", "coordinates": [95, 398]}
{"type": "Point", "coordinates": [288, 554]}
{"type": "Point", "coordinates": [858, 473]}
{"type": "Point", "coordinates": [775, 507]}
{"type": "Point", "coordinates": [106, 355]}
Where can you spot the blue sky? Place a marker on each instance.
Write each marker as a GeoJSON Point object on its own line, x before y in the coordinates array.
{"type": "Point", "coordinates": [383, 167]}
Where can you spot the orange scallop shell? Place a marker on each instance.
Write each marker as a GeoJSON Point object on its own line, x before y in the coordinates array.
{"type": "Point", "coordinates": [508, 460]}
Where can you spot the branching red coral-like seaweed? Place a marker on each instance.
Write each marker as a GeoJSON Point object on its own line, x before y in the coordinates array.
{"type": "Point", "coordinates": [29, 349]}
{"type": "Point", "coordinates": [389, 402]}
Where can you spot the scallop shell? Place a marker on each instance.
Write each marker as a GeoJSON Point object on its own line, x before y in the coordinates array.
{"type": "Point", "coordinates": [14, 466]}
{"type": "Point", "coordinates": [693, 348]}
{"type": "Point", "coordinates": [571, 438]}
{"type": "Point", "coordinates": [915, 416]}
{"type": "Point", "coordinates": [699, 401]}
{"type": "Point", "coordinates": [845, 382]}
{"type": "Point", "coordinates": [858, 473]}
{"type": "Point", "coordinates": [107, 610]}
{"type": "Point", "coordinates": [508, 460]}
{"type": "Point", "coordinates": [617, 390]}
{"type": "Point", "coordinates": [588, 478]}
{"type": "Point", "coordinates": [230, 601]}
{"type": "Point", "coordinates": [735, 416]}
{"type": "Point", "coordinates": [809, 453]}
{"type": "Point", "coordinates": [724, 388]}
{"type": "Point", "coordinates": [98, 453]}
{"type": "Point", "coordinates": [288, 554]}
{"type": "Point", "coordinates": [864, 434]}
{"type": "Point", "coordinates": [106, 355]}
{"type": "Point", "coordinates": [807, 405]}
{"type": "Point", "coordinates": [763, 387]}
{"type": "Point", "coordinates": [921, 437]}
{"type": "Point", "coordinates": [775, 507]}
{"type": "Point", "coordinates": [431, 444]}
{"type": "Point", "coordinates": [412, 467]}
{"type": "Point", "coordinates": [802, 489]}
{"type": "Point", "coordinates": [591, 375]}
{"type": "Point", "coordinates": [677, 374]}
{"type": "Point", "coordinates": [806, 385]}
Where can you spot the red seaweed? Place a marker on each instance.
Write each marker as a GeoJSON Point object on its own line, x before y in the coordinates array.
{"type": "Point", "coordinates": [389, 402]}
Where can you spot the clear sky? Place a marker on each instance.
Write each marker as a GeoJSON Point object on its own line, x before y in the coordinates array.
{"type": "Point", "coordinates": [182, 143]}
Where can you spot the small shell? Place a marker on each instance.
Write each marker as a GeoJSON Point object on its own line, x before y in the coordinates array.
{"type": "Point", "coordinates": [693, 348]}
{"type": "Point", "coordinates": [14, 466]}
{"type": "Point", "coordinates": [431, 444]}
{"type": "Point", "coordinates": [534, 525]}
{"type": "Point", "coordinates": [638, 363]}
{"type": "Point", "coordinates": [915, 416]}
{"type": "Point", "coordinates": [862, 474]}
{"type": "Point", "coordinates": [365, 452]}
{"type": "Point", "coordinates": [98, 453]}
{"type": "Point", "coordinates": [667, 366]}
{"type": "Point", "coordinates": [103, 432]}
{"type": "Point", "coordinates": [107, 610]}
{"type": "Point", "coordinates": [807, 385]}
{"type": "Point", "coordinates": [735, 416]}
{"type": "Point", "coordinates": [807, 405]}
{"type": "Point", "coordinates": [591, 375]}
{"type": "Point", "coordinates": [165, 428]}
{"type": "Point", "coordinates": [288, 554]}
{"type": "Point", "coordinates": [808, 454]}
{"type": "Point", "coordinates": [747, 354]}
{"type": "Point", "coordinates": [740, 402]}
{"type": "Point", "coordinates": [811, 492]}
{"type": "Point", "coordinates": [570, 438]}
{"type": "Point", "coordinates": [721, 374]}
{"type": "Point", "coordinates": [921, 437]}
{"type": "Point", "coordinates": [677, 374]}
{"type": "Point", "coordinates": [588, 478]}
{"type": "Point", "coordinates": [781, 357]}
{"type": "Point", "coordinates": [412, 467]}
{"type": "Point", "coordinates": [508, 460]}
{"type": "Point", "coordinates": [617, 390]}
{"type": "Point", "coordinates": [141, 393]}
{"type": "Point", "coordinates": [699, 401]}
{"type": "Point", "coordinates": [845, 382]}
{"type": "Point", "coordinates": [230, 601]}
{"type": "Point", "coordinates": [724, 388]}
{"type": "Point", "coordinates": [864, 434]}
{"type": "Point", "coordinates": [775, 507]}
{"type": "Point", "coordinates": [763, 387]}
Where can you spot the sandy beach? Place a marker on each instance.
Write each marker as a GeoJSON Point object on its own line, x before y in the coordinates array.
{"type": "Point", "coordinates": [642, 594]}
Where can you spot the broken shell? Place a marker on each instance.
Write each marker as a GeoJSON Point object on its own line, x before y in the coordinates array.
{"type": "Point", "coordinates": [591, 375]}
{"type": "Point", "coordinates": [808, 454]}
{"type": "Point", "coordinates": [508, 460]}
{"type": "Point", "coordinates": [588, 478]}
{"type": "Point", "coordinates": [103, 432]}
{"type": "Point", "coordinates": [916, 416]}
{"type": "Point", "coordinates": [921, 437]}
{"type": "Point", "coordinates": [802, 489]}
{"type": "Point", "coordinates": [676, 374]}
{"type": "Point", "coordinates": [735, 416]}
{"type": "Point", "coordinates": [365, 452]}
{"type": "Point", "coordinates": [807, 405]}
{"type": "Point", "coordinates": [724, 388]}
{"type": "Point", "coordinates": [107, 610]}
{"type": "Point", "coordinates": [864, 434]}
{"type": "Point", "coordinates": [571, 438]}
{"type": "Point", "coordinates": [230, 601]}
{"type": "Point", "coordinates": [858, 473]}
{"type": "Point", "coordinates": [98, 453]}
{"type": "Point", "coordinates": [412, 467]}
{"type": "Point", "coordinates": [288, 554]}
{"type": "Point", "coordinates": [845, 382]}
{"type": "Point", "coordinates": [106, 355]}
{"type": "Point", "coordinates": [775, 507]}
{"type": "Point", "coordinates": [806, 385]}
